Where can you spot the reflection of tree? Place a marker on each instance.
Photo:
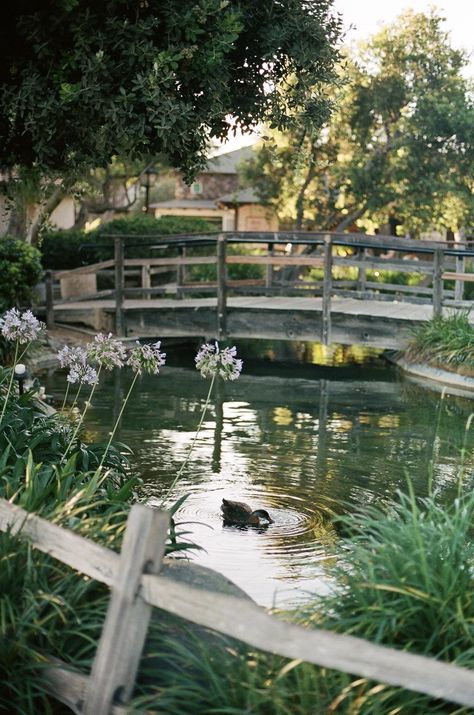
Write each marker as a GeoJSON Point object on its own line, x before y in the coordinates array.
{"type": "Point", "coordinates": [314, 443]}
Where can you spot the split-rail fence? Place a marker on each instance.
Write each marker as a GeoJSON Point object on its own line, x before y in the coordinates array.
{"type": "Point", "coordinates": [136, 586]}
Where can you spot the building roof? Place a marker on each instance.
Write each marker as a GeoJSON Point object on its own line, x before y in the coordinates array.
{"type": "Point", "coordinates": [185, 204]}
{"type": "Point", "coordinates": [228, 163]}
{"type": "Point", "coordinates": [241, 196]}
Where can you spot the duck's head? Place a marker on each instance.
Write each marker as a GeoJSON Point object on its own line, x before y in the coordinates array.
{"type": "Point", "coordinates": [262, 514]}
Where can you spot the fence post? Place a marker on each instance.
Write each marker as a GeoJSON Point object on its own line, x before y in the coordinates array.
{"type": "Point", "coordinates": [327, 289]}
{"type": "Point", "coordinates": [221, 287]}
{"type": "Point", "coordinates": [119, 288]}
{"type": "Point", "coordinates": [118, 655]}
{"type": "Point", "coordinates": [49, 297]}
{"type": "Point", "coordinates": [438, 260]}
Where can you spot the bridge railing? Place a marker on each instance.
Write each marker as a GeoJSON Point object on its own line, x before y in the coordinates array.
{"type": "Point", "coordinates": [137, 586]}
{"type": "Point", "coordinates": [348, 265]}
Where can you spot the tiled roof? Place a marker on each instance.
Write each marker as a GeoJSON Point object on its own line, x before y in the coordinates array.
{"type": "Point", "coordinates": [228, 163]}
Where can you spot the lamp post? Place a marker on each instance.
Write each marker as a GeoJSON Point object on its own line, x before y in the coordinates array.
{"type": "Point", "coordinates": [20, 375]}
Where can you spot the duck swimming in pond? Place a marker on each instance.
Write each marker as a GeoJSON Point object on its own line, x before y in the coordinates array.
{"type": "Point", "coordinates": [236, 512]}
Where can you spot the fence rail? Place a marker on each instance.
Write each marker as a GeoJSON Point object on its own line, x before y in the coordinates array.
{"type": "Point", "coordinates": [136, 586]}
{"type": "Point", "coordinates": [432, 263]}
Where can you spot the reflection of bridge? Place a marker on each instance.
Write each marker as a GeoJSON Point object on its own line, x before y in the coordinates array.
{"type": "Point", "coordinates": [341, 299]}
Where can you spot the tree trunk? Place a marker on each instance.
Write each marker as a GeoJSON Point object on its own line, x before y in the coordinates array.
{"type": "Point", "coordinates": [44, 213]}
{"type": "Point", "coordinates": [17, 221]}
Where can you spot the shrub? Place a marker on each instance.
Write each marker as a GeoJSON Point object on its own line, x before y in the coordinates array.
{"type": "Point", "coordinates": [20, 269]}
{"type": "Point", "coordinates": [445, 341]}
{"type": "Point", "coordinates": [63, 250]}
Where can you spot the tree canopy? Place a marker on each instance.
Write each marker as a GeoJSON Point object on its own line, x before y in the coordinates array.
{"type": "Point", "coordinates": [399, 148]}
{"type": "Point", "coordinates": [83, 81]}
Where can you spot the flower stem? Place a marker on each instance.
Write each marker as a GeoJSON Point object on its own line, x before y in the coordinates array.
{"type": "Point", "coordinates": [81, 420]}
{"type": "Point", "coordinates": [10, 383]}
{"type": "Point", "coordinates": [65, 396]}
{"type": "Point", "coordinates": [112, 434]}
{"type": "Point", "coordinates": [181, 469]}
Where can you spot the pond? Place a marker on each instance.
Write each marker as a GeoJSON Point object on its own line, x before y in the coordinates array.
{"type": "Point", "coordinates": [303, 439]}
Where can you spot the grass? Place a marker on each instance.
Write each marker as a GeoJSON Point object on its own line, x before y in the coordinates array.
{"type": "Point", "coordinates": [445, 341]}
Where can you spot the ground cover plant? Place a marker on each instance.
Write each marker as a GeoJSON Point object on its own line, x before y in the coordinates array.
{"type": "Point", "coordinates": [446, 342]}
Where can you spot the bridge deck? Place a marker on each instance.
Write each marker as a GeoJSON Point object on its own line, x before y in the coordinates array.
{"type": "Point", "coordinates": [349, 306]}
{"type": "Point", "coordinates": [385, 324]}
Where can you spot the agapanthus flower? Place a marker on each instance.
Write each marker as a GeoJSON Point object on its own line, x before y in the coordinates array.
{"type": "Point", "coordinates": [146, 358]}
{"type": "Point", "coordinates": [213, 362]}
{"type": "Point", "coordinates": [80, 370]}
{"type": "Point", "coordinates": [106, 351]}
{"type": "Point", "coordinates": [23, 327]}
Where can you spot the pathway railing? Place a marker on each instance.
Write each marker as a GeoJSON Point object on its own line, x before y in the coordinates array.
{"type": "Point", "coordinates": [136, 586]}
{"type": "Point", "coordinates": [343, 265]}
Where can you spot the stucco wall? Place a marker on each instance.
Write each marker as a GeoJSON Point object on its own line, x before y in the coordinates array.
{"type": "Point", "coordinates": [252, 217]}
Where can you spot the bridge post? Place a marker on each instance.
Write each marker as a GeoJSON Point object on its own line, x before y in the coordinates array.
{"type": "Point", "coordinates": [438, 261]}
{"type": "Point", "coordinates": [327, 289]}
{"type": "Point", "coordinates": [362, 273]}
{"type": "Point", "coordinates": [269, 270]}
{"type": "Point", "coordinates": [119, 287]}
{"type": "Point", "coordinates": [221, 287]}
{"type": "Point", "coordinates": [180, 272]}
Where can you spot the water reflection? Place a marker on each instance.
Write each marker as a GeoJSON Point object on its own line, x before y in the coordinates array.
{"type": "Point", "coordinates": [304, 449]}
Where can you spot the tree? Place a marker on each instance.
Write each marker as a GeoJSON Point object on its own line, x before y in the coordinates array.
{"type": "Point", "coordinates": [82, 82]}
{"type": "Point", "coordinates": [399, 148]}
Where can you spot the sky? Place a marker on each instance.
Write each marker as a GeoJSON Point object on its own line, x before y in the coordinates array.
{"type": "Point", "coordinates": [363, 18]}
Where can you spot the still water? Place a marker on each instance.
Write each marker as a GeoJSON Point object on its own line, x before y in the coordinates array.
{"type": "Point", "coordinates": [303, 440]}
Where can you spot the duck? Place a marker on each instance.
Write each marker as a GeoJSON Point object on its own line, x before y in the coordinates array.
{"type": "Point", "coordinates": [236, 512]}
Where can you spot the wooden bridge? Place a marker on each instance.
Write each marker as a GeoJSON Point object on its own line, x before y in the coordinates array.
{"type": "Point", "coordinates": [340, 298]}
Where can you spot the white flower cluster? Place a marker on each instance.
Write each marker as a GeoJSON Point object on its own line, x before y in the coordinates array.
{"type": "Point", "coordinates": [213, 362]}
{"type": "Point", "coordinates": [21, 327]}
{"type": "Point", "coordinates": [106, 351]}
{"type": "Point", "coordinates": [146, 358]}
{"type": "Point", "coordinates": [80, 370]}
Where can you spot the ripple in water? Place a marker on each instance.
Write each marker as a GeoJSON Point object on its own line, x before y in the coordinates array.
{"type": "Point", "coordinates": [276, 563]}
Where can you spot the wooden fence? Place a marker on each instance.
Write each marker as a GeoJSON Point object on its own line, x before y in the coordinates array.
{"type": "Point", "coordinates": [433, 263]}
{"type": "Point", "coordinates": [136, 586]}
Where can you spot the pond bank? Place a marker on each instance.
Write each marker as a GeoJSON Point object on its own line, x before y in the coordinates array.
{"type": "Point", "coordinates": [435, 377]}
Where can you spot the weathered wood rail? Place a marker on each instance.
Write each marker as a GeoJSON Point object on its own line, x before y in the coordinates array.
{"type": "Point", "coordinates": [343, 261]}
{"type": "Point", "coordinates": [136, 586]}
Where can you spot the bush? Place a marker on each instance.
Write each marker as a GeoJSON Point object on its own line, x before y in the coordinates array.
{"type": "Point", "coordinates": [20, 269]}
{"type": "Point", "coordinates": [63, 250]}
{"type": "Point", "coordinates": [445, 341]}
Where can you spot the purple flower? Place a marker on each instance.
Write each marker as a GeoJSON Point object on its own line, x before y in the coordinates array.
{"type": "Point", "coordinates": [80, 370]}
{"type": "Point", "coordinates": [212, 362]}
{"type": "Point", "coordinates": [106, 351]}
{"type": "Point", "coordinates": [23, 327]}
{"type": "Point", "coordinates": [146, 358]}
